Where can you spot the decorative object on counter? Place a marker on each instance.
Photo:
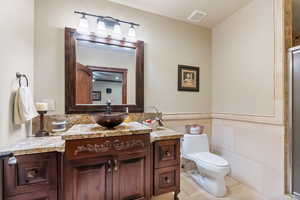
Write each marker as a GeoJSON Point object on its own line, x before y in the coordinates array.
{"type": "Point", "coordinates": [106, 24]}
{"type": "Point", "coordinates": [194, 129]}
{"type": "Point", "coordinates": [59, 126]}
{"type": "Point", "coordinates": [158, 116]}
{"type": "Point", "coordinates": [188, 78]}
{"type": "Point", "coordinates": [96, 95]}
{"type": "Point", "coordinates": [153, 124]}
{"type": "Point", "coordinates": [24, 109]}
{"type": "Point", "coordinates": [42, 110]}
{"type": "Point", "coordinates": [41, 106]}
{"type": "Point", "coordinates": [109, 119]}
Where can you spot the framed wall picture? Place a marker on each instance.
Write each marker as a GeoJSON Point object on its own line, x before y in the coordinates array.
{"type": "Point", "coordinates": [188, 78]}
{"type": "Point", "coordinates": [96, 95]}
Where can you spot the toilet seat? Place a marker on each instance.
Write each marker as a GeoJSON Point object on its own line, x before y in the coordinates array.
{"type": "Point", "coordinates": [211, 158]}
{"type": "Point", "coordinates": [210, 161]}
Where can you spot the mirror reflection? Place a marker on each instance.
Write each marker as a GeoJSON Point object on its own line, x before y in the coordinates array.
{"type": "Point", "coordinates": [105, 72]}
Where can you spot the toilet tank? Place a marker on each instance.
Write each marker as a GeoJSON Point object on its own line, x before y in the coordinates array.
{"type": "Point", "coordinates": [195, 144]}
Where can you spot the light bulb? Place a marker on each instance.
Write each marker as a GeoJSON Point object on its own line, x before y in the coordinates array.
{"type": "Point", "coordinates": [101, 28]}
{"type": "Point", "coordinates": [117, 31]}
{"type": "Point", "coordinates": [132, 34]}
{"type": "Point", "coordinates": [83, 27]}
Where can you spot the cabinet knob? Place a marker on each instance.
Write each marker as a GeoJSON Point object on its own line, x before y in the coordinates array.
{"type": "Point", "coordinates": [109, 166]}
{"type": "Point", "coordinates": [167, 180]}
{"type": "Point", "coordinates": [116, 165]}
{"type": "Point", "coordinates": [12, 161]}
{"type": "Point", "coordinates": [167, 153]}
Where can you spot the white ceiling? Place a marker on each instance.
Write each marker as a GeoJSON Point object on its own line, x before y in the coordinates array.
{"type": "Point", "coordinates": [217, 10]}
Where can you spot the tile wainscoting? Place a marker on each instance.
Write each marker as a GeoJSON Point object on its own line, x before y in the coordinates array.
{"type": "Point", "coordinates": [255, 152]}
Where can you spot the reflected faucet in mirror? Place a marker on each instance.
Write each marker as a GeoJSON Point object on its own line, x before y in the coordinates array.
{"type": "Point", "coordinates": [108, 106]}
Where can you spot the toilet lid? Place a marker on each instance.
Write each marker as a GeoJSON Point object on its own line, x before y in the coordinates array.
{"type": "Point", "coordinates": [212, 159]}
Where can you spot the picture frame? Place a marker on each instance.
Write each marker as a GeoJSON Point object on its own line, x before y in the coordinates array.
{"type": "Point", "coordinates": [188, 78]}
{"type": "Point", "coordinates": [96, 95]}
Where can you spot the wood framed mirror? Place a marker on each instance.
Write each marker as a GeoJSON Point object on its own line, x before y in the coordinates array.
{"type": "Point", "coordinates": [101, 69]}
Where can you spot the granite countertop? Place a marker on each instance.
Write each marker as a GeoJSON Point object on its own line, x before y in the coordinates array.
{"type": "Point", "coordinates": [163, 133]}
{"type": "Point", "coordinates": [84, 131]}
{"type": "Point", "coordinates": [33, 145]}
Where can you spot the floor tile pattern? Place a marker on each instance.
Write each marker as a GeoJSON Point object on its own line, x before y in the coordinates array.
{"type": "Point", "coordinates": [190, 190]}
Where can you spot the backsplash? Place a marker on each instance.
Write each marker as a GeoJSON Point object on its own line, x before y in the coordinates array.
{"type": "Point", "coordinates": [73, 119]}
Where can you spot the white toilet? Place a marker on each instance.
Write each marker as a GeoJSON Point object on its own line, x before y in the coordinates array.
{"type": "Point", "coordinates": [212, 168]}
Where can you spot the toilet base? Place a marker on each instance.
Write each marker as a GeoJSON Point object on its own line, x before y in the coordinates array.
{"type": "Point", "coordinates": [216, 187]}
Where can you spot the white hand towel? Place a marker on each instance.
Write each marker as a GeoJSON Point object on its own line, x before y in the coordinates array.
{"type": "Point", "coordinates": [24, 108]}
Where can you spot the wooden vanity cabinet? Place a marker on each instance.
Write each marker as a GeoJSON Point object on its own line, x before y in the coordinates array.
{"type": "Point", "coordinates": [166, 167]}
{"type": "Point", "coordinates": [33, 177]}
{"type": "Point", "coordinates": [113, 168]}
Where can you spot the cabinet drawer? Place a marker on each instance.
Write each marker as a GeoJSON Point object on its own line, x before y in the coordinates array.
{"type": "Point", "coordinates": [167, 153]}
{"type": "Point", "coordinates": [87, 148]}
{"type": "Point", "coordinates": [37, 172]}
{"type": "Point", "coordinates": [166, 180]}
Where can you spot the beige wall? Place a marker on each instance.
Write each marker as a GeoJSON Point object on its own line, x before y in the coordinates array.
{"type": "Point", "coordinates": [247, 85]}
{"type": "Point", "coordinates": [16, 56]}
{"type": "Point", "coordinates": [167, 43]}
{"type": "Point", "coordinates": [243, 45]}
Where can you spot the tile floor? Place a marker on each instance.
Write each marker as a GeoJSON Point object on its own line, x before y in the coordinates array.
{"type": "Point", "coordinates": [192, 191]}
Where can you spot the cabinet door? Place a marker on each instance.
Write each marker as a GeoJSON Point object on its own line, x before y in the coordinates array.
{"type": "Point", "coordinates": [88, 179]}
{"type": "Point", "coordinates": [33, 177]}
{"type": "Point", "coordinates": [167, 153]}
{"type": "Point", "coordinates": [132, 176]}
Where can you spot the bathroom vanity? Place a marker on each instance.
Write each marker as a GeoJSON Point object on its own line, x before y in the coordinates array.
{"type": "Point", "coordinates": [88, 162]}
{"type": "Point", "coordinates": [129, 163]}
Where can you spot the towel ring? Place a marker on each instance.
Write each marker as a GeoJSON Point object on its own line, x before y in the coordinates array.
{"type": "Point", "coordinates": [19, 76]}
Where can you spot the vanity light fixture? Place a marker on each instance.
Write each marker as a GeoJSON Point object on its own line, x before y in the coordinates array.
{"type": "Point", "coordinates": [117, 34]}
{"type": "Point", "coordinates": [101, 28]}
{"type": "Point", "coordinates": [83, 25]}
{"type": "Point", "coordinates": [105, 24]}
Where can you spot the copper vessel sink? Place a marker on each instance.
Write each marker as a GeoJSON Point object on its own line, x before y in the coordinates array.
{"type": "Point", "coordinates": [109, 119]}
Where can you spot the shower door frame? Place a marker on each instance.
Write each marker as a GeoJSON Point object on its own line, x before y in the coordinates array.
{"type": "Point", "coordinates": [291, 53]}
